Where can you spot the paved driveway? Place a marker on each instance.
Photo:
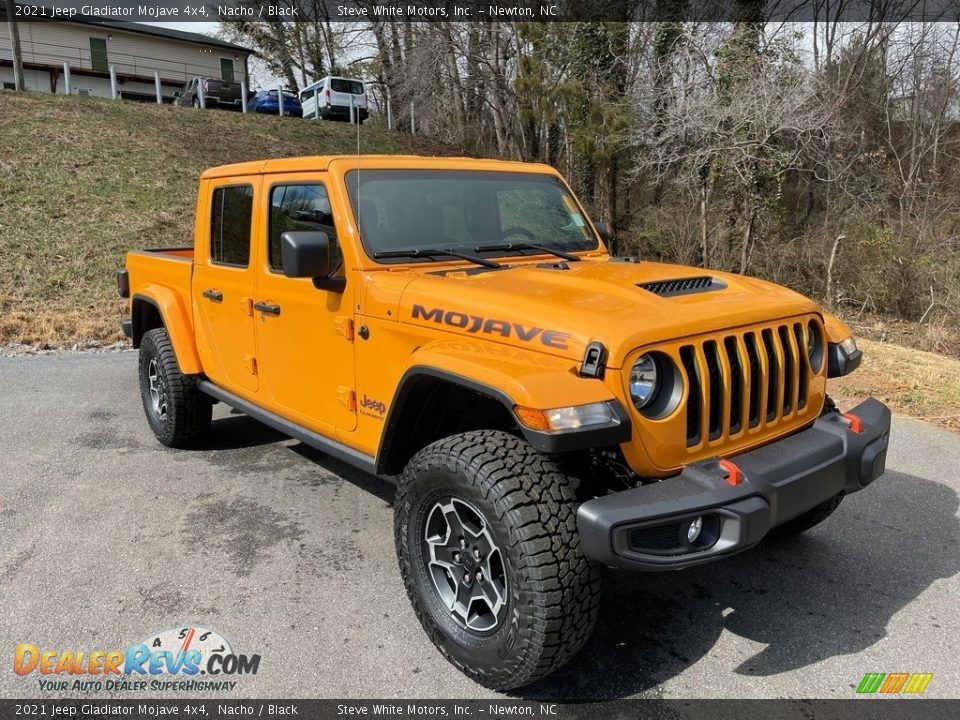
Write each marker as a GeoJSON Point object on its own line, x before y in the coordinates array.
{"type": "Point", "coordinates": [105, 537]}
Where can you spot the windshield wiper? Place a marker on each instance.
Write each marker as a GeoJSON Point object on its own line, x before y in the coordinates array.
{"type": "Point", "coordinates": [528, 246]}
{"type": "Point", "coordinates": [430, 252]}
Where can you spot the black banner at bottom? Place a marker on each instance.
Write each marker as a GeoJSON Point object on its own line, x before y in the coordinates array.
{"type": "Point", "coordinates": [853, 709]}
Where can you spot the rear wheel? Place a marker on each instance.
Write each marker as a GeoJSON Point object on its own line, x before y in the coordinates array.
{"type": "Point", "coordinates": [487, 542]}
{"type": "Point", "coordinates": [178, 412]}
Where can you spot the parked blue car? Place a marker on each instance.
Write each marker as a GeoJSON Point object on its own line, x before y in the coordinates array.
{"type": "Point", "coordinates": [268, 102]}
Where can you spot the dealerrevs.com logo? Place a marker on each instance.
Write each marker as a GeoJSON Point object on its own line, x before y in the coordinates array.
{"type": "Point", "coordinates": [188, 658]}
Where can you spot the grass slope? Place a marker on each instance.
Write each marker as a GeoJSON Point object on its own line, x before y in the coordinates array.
{"type": "Point", "coordinates": [83, 180]}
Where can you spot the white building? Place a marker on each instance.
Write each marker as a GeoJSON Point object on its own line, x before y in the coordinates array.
{"type": "Point", "coordinates": [91, 46]}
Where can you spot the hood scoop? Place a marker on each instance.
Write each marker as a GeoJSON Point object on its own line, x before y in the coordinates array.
{"type": "Point", "coordinates": [683, 286]}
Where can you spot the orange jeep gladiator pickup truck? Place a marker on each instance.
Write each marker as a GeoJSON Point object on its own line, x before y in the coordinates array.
{"type": "Point", "coordinates": [457, 327]}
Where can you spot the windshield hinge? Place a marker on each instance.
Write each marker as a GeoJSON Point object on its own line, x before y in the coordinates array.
{"type": "Point", "coordinates": [594, 360]}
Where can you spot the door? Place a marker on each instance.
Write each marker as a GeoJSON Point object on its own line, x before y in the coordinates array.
{"type": "Point", "coordinates": [304, 334]}
{"type": "Point", "coordinates": [308, 101]}
{"type": "Point", "coordinates": [344, 91]}
{"type": "Point", "coordinates": [226, 69]}
{"type": "Point", "coordinates": [223, 282]}
{"type": "Point", "coordinates": [98, 55]}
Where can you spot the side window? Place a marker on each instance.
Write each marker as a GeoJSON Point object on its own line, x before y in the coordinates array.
{"type": "Point", "coordinates": [231, 216]}
{"type": "Point", "coordinates": [301, 208]}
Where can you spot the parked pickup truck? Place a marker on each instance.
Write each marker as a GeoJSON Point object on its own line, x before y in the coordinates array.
{"type": "Point", "coordinates": [216, 94]}
{"type": "Point", "coordinates": [458, 328]}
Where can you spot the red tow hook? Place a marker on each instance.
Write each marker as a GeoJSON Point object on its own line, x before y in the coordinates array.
{"type": "Point", "coordinates": [855, 423]}
{"type": "Point", "coordinates": [734, 476]}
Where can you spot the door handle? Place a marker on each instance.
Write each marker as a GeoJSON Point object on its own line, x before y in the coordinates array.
{"type": "Point", "coordinates": [267, 308]}
{"type": "Point", "coordinates": [214, 295]}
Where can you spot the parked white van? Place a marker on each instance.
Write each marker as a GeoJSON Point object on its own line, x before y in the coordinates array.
{"type": "Point", "coordinates": [331, 96]}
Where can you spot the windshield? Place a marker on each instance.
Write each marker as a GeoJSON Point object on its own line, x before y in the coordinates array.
{"type": "Point", "coordinates": [463, 210]}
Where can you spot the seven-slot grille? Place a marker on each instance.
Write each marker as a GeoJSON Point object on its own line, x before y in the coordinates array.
{"type": "Point", "coordinates": [758, 376]}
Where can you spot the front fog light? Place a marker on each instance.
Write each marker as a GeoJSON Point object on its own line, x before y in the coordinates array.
{"type": "Point", "coordinates": [568, 418]}
{"type": "Point", "coordinates": [693, 530]}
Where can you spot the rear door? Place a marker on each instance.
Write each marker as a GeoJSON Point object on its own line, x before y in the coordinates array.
{"type": "Point", "coordinates": [339, 92]}
{"type": "Point", "coordinates": [223, 282]}
{"type": "Point", "coordinates": [308, 100]}
{"type": "Point", "coordinates": [305, 337]}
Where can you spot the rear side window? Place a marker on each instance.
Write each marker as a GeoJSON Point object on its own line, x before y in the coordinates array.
{"type": "Point", "coordinates": [300, 208]}
{"type": "Point", "coordinates": [346, 86]}
{"type": "Point", "coordinates": [231, 217]}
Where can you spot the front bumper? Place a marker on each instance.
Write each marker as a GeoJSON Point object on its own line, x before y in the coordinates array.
{"type": "Point", "coordinates": [645, 528]}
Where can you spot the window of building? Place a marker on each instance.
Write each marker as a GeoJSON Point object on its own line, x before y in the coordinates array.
{"type": "Point", "coordinates": [226, 69]}
{"type": "Point", "coordinates": [231, 216]}
{"type": "Point", "coordinates": [98, 54]}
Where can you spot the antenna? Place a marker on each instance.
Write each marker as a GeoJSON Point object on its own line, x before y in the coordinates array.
{"type": "Point", "coordinates": [355, 115]}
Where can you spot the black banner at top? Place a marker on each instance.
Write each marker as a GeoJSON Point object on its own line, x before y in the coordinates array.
{"type": "Point", "coordinates": [492, 10]}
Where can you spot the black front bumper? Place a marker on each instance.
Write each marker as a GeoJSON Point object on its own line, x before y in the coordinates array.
{"type": "Point", "coordinates": [645, 528]}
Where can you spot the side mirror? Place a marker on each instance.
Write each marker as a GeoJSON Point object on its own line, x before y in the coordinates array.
{"type": "Point", "coordinates": [307, 255]}
{"type": "Point", "coordinates": [602, 230]}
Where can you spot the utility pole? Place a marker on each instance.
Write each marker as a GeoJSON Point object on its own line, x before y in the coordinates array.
{"type": "Point", "coordinates": [18, 80]}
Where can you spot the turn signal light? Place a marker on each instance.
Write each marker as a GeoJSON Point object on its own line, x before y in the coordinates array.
{"type": "Point", "coordinates": [532, 418]}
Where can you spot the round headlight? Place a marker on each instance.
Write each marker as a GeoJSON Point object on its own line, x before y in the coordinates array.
{"type": "Point", "coordinates": [814, 346]}
{"type": "Point", "coordinates": [644, 381]}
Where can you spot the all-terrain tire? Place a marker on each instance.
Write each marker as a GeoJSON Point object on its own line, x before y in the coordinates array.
{"type": "Point", "coordinates": [552, 590]}
{"type": "Point", "coordinates": [183, 414]}
{"type": "Point", "coordinates": [801, 523]}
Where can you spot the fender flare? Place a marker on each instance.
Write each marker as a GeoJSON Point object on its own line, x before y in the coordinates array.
{"type": "Point", "coordinates": [176, 321]}
{"type": "Point", "coordinates": [552, 443]}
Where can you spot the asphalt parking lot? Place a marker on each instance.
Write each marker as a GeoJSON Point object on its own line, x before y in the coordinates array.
{"type": "Point", "coordinates": [106, 537]}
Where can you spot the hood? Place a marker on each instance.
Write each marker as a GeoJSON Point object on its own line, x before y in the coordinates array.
{"type": "Point", "coordinates": [560, 308]}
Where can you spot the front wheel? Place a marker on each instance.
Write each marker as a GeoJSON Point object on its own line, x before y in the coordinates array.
{"type": "Point", "coordinates": [488, 548]}
{"type": "Point", "coordinates": [178, 412]}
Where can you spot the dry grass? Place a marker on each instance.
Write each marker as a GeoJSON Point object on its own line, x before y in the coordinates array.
{"type": "Point", "coordinates": [910, 381]}
{"type": "Point", "coordinates": [83, 180]}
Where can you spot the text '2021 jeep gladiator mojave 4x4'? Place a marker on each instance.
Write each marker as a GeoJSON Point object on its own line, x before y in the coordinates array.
{"type": "Point", "coordinates": [457, 327]}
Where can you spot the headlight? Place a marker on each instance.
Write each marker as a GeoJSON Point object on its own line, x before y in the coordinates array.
{"type": "Point", "coordinates": [644, 381]}
{"type": "Point", "coordinates": [814, 346]}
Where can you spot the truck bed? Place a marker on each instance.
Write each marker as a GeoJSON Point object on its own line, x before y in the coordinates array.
{"type": "Point", "coordinates": [168, 268]}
